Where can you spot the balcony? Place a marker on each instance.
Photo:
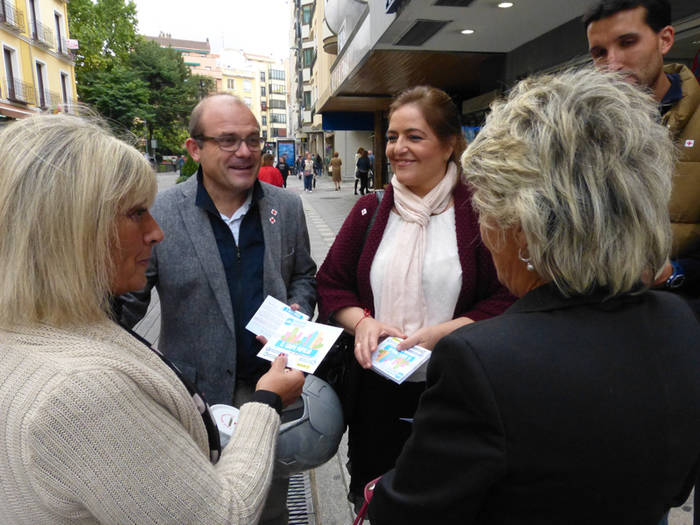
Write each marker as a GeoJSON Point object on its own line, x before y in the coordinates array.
{"type": "Point", "coordinates": [48, 99]}
{"type": "Point", "coordinates": [18, 91]}
{"type": "Point", "coordinates": [42, 35]}
{"type": "Point", "coordinates": [10, 17]}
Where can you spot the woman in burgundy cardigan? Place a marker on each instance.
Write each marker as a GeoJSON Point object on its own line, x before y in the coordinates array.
{"type": "Point", "coordinates": [419, 273]}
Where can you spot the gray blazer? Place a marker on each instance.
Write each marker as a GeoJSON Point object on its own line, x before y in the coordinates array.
{"type": "Point", "coordinates": [197, 328]}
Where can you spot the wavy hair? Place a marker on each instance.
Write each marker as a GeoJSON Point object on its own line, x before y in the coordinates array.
{"type": "Point", "coordinates": [581, 162]}
{"type": "Point", "coordinates": [64, 180]}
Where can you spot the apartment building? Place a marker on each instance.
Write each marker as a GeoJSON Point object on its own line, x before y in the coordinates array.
{"type": "Point", "coordinates": [38, 70]}
{"type": "Point", "coordinates": [315, 51]}
{"type": "Point", "coordinates": [196, 55]}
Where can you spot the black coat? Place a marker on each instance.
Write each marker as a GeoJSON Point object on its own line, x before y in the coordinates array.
{"type": "Point", "coordinates": [560, 411]}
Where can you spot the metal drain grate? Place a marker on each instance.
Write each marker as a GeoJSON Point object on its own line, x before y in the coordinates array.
{"type": "Point", "coordinates": [299, 500]}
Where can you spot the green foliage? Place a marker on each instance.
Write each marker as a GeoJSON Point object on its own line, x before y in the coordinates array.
{"type": "Point", "coordinates": [120, 95]}
{"type": "Point", "coordinates": [135, 84]}
{"type": "Point", "coordinates": [188, 169]}
{"type": "Point", "coordinates": [171, 93]}
{"type": "Point", "coordinates": [106, 31]}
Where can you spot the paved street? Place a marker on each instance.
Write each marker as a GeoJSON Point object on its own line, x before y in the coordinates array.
{"type": "Point", "coordinates": [326, 210]}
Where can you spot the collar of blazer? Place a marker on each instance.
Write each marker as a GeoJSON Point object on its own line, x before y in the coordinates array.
{"type": "Point", "coordinates": [548, 297]}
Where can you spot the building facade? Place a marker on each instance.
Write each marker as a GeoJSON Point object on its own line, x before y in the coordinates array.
{"type": "Point", "coordinates": [38, 71]}
{"type": "Point", "coordinates": [196, 55]}
{"type": "Point", "coordinates": [472, 49]}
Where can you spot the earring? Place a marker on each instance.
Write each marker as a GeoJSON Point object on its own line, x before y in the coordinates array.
{"type": "Point", "coordinates": [526, 260]}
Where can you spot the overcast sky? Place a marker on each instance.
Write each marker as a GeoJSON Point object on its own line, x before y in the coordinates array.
{"type": "Point", "coordinates": [256, 26]}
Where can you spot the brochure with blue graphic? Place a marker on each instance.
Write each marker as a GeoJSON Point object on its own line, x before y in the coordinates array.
{"type": "Point", "coordinates": [395, 364]}
{"type": "Point", "coordinates": [290, 332]}
{"type": "Point", "coordinates": [270, 316]}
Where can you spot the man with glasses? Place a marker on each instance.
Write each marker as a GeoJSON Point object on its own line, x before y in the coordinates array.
{"type": "Point", "coordinates": [229, 242]}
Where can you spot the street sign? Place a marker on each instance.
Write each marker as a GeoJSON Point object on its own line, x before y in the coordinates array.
{"type": "Point", "coordinates": [154, 143]}
{"type": "Point", "coordinates": [72, 43]}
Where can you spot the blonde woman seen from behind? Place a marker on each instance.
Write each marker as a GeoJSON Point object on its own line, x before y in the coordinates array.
{"type": "Point", "coordinates": [581, 403]}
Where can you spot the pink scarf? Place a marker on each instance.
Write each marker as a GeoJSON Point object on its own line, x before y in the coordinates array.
{"type": "Point", "coordinates": [402, 301]}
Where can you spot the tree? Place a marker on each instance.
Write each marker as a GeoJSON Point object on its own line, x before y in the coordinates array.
{"type": "Point", "coordinates": [105, 30]}
{"type": "Point", "coordinates": [173, 92]}
{"type": "Point", "coordinates": [119, 94]}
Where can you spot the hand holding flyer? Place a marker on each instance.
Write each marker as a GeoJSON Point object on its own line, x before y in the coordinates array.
{"type": "Point", "coordinates": [304, 342]}
{"type": "Point", "coordinates": [396, 364]}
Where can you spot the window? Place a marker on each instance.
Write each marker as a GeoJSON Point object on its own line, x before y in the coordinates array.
{"type": "Point", "coordinates": [33, 20]}
{"type": "Point", "coordinates": [247, 85]}
{"type": "Point", "coordinates": [278, 118]}
{"type": "Point", "coordinates": [231, 83]}
{"type": "Point", "coordinates": [41, 84]}
{"type": "Point", "coordinates": [307, 99]}
{"type": "Point", "coordinates": [262, 76]}
{"type": "Point", "coordinates": [277, 89]}
{"type": "Point", "coordinates": [279, 132]}
{"type": "Point", "coordinates": [264, 120]}
{"type": "Point", "coordinates": [65, 93]}
{"type": "Point", "coordinates": [307, 12]}
{"type": "Point", "coordinates": [60, 44]}
{"type": "Point", "coordinates": [276, 74]}
{"type": "Point", "coordinates": [309, 56]}
{"type": "Point", "coordinates": [278, 104]}
{"type": "Point", "coordinates": [262, 91]}
{"type": "Point", "coordinates": [15, 89]}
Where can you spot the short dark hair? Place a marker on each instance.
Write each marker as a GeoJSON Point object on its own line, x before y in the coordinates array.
{"type": "Point", "coordinates": [658, 11]}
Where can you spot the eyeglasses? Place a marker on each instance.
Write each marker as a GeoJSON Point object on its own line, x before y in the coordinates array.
{"type": "Point", "coordinates": [231, 143]}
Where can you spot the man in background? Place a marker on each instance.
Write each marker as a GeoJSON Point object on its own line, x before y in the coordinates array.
{"type": "Point", "coordinates": [632, 37]}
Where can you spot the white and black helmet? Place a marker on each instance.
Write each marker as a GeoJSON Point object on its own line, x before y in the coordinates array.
{"type": "Point", "coordinates": [311, 428]}
{"type": "Point", "coordinates": [310, 431]}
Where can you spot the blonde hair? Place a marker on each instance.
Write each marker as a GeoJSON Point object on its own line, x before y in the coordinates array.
{"type": "Point", "coordinates": [580, 161]}
{"type": "Point", "coordinates": [64, 180]}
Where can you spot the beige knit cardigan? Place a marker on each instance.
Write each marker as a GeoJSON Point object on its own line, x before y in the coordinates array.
{"type": "Point", "coordinates": [95, 428]}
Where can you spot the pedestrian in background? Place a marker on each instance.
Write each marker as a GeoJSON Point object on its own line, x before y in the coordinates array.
{"type": "Point", "coordinates": [284, 169]}
{"type": "Point", "coordinates": [308, 173]}
{"type": "Point", "coordinates": [363, 167]}
{"type": "Point", "coordinates": [336, 163]}
{"type": "Point", "coordinates": [268, 173]}
{"type": "Point", "coordinates": [299, 165]}
{"type": "Point", "coordinates": [357, 157]}
{"type": "Point", "coordinates": [179, 164]}
{"type": "Point", "coordinates": [318, 168]}
{"type": "Point", "coordinates": [420, 272]}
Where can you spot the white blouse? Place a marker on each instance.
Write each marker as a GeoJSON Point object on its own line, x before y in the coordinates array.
{"type": "Point", "coordinates": [442, 271]}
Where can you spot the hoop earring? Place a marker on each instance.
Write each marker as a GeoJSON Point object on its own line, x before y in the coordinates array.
{"type": "Point", "coordinates": [526, 260]}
